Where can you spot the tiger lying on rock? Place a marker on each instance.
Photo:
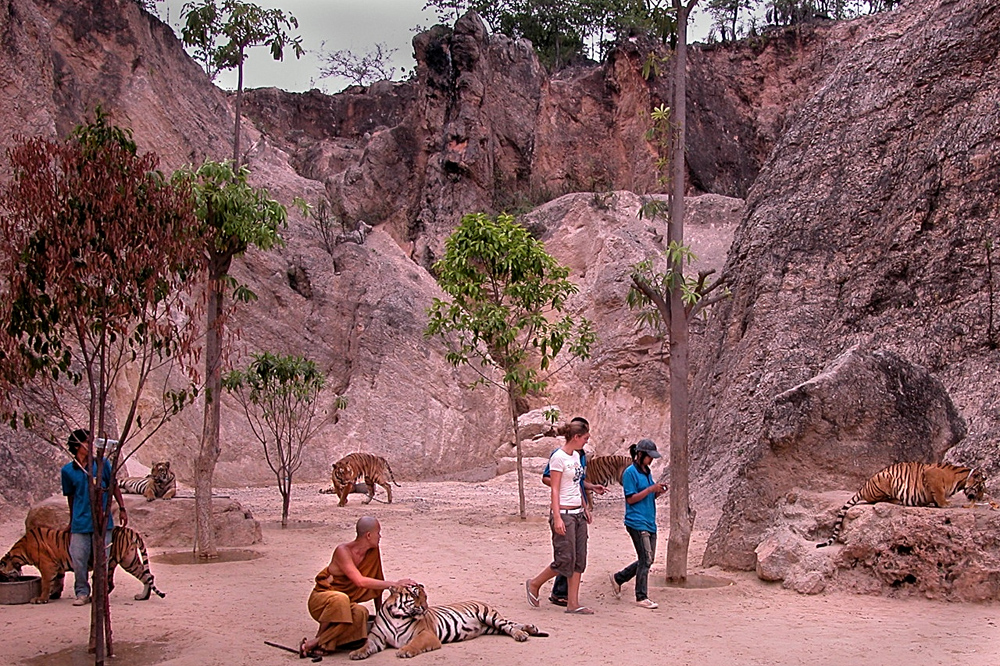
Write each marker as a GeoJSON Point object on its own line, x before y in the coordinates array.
{"type": "Point", "coordinates": [405, 622]}
{"type": "Point", "coordinates": [160, 482]}
{"type": "Point", "coordinates": [914, 484]}
{"type": "Point", "coordinates": [47, 550]}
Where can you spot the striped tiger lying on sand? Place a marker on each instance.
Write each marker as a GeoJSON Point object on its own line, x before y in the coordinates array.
{"type": "Point", "coordinates": [405, 622]}
{"type": "Point", "coordinates": [160, 482]}
{"type": "Point", "coordinates": [355, 466]}
{"type": "Point", "coordinates": [914, 484]}
{"type": "Point", "coordinates": [605, 470]}
{"type": "Point", "coordinates": [47, 550]}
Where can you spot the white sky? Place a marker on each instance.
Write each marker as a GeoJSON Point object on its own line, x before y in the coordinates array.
{"type": "Point", "coordinates": [355, 25]}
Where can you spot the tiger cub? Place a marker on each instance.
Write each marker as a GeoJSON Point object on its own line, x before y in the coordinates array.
{"type": "Point", "coordinates": [605, 470]}
{"type": "Point", "coordinates": [47, 550]}
{"type": "Point", "coordinates": [354, 466]}
{"type": "Point", "coordinates": [160, 482]}
{"type": "Point", "coordinates": [914, 484]}
{"type": "Point", "coordinates": [406, 622]}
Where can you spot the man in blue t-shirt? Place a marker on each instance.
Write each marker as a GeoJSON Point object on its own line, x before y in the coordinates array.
{"type": "Point", "coordinates": [640, 520]}
{"type": "Point", "coordinates": [560, 587]}
{"type": "Point", "coordinates": [76, 488]}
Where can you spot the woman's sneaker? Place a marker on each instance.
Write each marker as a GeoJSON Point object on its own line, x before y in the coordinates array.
{"type": "Point", "coordinates": [647, 603]}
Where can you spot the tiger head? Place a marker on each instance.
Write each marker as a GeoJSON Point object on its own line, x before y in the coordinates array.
{"type": "Point", "coordinates": [343, 474]}
{"type": "Point", "coordinates": [160, 471]}
{"type": "Point", "coordinates": [975, 485]}
{"type": "Point", "coordinates": [10, 565]}
{"type": "Point", "coordinates": [406, 601]}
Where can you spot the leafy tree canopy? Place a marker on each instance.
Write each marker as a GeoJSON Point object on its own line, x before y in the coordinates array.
{"type": "Point", "coordinates": [503, 285]}
{"type": "Point", "coordinates": [222, 30]}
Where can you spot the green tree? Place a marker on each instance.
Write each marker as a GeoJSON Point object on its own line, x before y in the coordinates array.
{"type": "Point", "coordinates": [235, 216]}
{"type": "Point", "coordinates": [97, 249]}
{"type": "Point", "coordinates": [221, 31]}
{"type": "Point", "coordinates": [726, 16]}
{"type": "Point", "coordinates": [563, 30]}
{"type": "Point", "coordinates": [508, 296]}
{"type": "Point", "coordinates": [279, 396]}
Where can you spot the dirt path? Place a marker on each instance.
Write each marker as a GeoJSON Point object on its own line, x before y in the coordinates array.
{"type": "Point", "coordinates": [460, 541]}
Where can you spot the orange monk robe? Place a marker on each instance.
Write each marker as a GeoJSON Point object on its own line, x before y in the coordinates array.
{"type": "Point", "coordinates": [335, 600]}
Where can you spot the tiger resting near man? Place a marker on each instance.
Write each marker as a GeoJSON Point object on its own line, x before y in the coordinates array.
{"type": "Point", "coordinates": [160, 482]}
{"type": "Point", "coordinates": [914, 484]}
{"type": "Point", "coordinates": [47, 550]}
{"type": "Point", "coordinates": [373, 469]}
{"type": "Point", "coordinates": [406, 622]}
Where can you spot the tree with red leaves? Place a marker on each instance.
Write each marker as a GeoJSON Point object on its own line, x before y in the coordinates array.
{"type": "Point", "coordinates": [98, 251]}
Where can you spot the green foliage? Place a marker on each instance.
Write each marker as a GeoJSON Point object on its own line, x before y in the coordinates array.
{"type": "Point", "coordinates": [652, 65]}
{"type": "Point", "coordinates": [651, 289]}
{"type": "Point", "coordinates": [274, 382]}
{"type": "Point", "coordinates": [662, 133]}
{"type": "Point", "coordinates": [551, 414]}
{"type": "Point", "coordinates": [564, 30]}
{"type": "Point", "coordinates": [221, 31]}
{"type": "Point", "coordinates": [504, 288]}
{"type": "Point", "coordinates": [279, 397]}
{"type": "Point", "coordinates": [235, 215]}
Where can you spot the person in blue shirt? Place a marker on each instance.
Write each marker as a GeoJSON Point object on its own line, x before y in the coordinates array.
{"type": "Point", "coordinates": [75, 486]}
{"type": "Point", "coordinates": [560, 587]}
{"type": "Point", "coordinates": [640, 520]}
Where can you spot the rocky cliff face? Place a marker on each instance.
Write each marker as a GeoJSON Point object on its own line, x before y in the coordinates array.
{"type": "Point", "coordinates": [483, 127]}
{"type": "Point", "coordinates": [868, 225]}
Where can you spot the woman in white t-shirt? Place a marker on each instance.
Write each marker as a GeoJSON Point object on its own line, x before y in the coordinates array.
{"type": "Point", "coordinates": [568, 519]}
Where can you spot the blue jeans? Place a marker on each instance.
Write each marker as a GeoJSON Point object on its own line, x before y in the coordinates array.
{"type": "Point", "coordinates": [80, 551]}
{"type": "Point", "coordinates": [645, 548]}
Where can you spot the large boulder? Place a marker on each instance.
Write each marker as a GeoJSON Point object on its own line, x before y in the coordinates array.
{"type": "Point", "coordinates": [163, 523]}
{"type": "Point", "coordinates": [950, 554]}
{"type": "Point", "coordinates": [865, 411]}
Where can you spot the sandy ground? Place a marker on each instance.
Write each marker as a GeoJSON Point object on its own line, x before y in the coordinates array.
{"type": "Point", "coordinates": [462, 542]}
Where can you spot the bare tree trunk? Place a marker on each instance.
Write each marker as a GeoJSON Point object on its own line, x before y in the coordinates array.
{"type": "Point", "coordinates": [239, 103]}
{"type": "Point", "coordinates": [286, 497]}
{"type": "Point", "coordinates": [681, 516]}
{"type": "Point", "coordinates": [208, 454]}
{"type": "Point", "coordinates": [512, 407]}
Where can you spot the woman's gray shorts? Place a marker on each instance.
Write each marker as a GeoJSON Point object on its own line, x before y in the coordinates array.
{"type": "Point", "coordinates": [569, 551]}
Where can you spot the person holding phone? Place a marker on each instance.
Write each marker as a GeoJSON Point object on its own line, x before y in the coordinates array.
{"type": "Point", "coordinates": [640, 521]}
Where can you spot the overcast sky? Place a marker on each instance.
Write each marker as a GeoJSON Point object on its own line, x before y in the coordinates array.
{"type": "Point", "coordinates": [355, 25]}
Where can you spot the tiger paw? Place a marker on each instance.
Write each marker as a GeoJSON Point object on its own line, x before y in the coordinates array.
{"type": "Point", "coordinates": [519, 636]}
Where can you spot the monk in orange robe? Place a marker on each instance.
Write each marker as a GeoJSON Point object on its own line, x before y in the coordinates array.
{"type": "Point", "coordinates": [353, 576]}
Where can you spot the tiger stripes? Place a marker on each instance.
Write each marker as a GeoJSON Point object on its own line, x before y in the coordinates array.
{"type": "Point", "coordinates": [406, 622]}
{"type": "Point", "coordinates": [605, 470]}
{"type": "Point", "coordinates": [354, 466]}
{"type": "Point", "coordinates": [914, 484]}
{"type": "Point", "coordinates": [48, 550]}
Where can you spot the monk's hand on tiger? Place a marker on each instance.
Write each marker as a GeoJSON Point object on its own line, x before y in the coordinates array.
{"type": "Point", "coordinates": [405, 582]}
